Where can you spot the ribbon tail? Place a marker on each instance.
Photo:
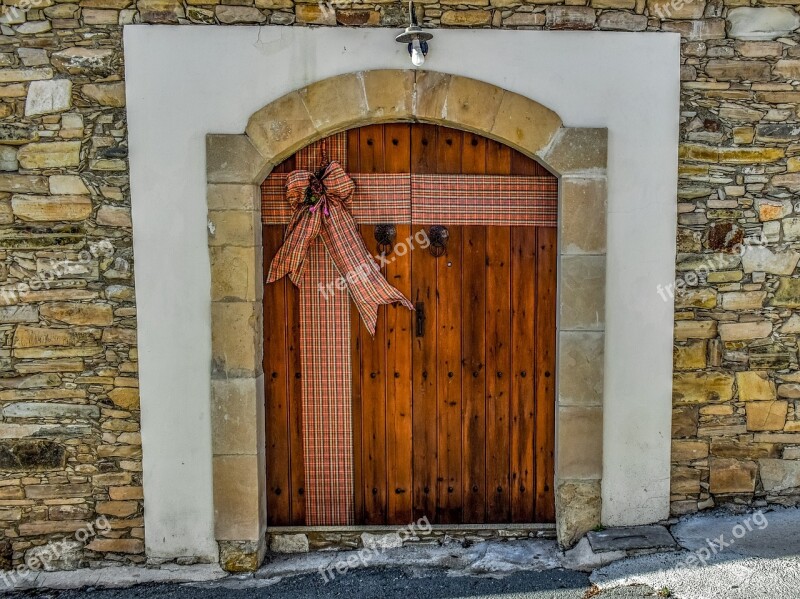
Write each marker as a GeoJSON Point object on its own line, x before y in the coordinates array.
{"type": "Point", "coordinates": [367, 286]}
{"type": "Point", "coordinates": [291, 256]}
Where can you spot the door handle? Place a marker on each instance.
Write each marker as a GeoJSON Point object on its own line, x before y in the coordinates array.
{"type": "Point", "coordinates": [420, 310]}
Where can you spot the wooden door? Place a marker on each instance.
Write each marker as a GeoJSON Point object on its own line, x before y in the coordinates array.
{"type": "Point", "coordinates": [454, 417]}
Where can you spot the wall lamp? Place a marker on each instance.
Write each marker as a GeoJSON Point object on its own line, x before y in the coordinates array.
{"type": "Point", "coordinates": [416, 38]}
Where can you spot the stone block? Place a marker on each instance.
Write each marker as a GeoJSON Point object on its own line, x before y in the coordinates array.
{"type": "Point", "coordinates": [126, 398]}
{"type": "Point", "coordinates": [236, 414]}
{"type": "Point", "coordinates": [241, 556]}
{"type": "Point", "coordinates": [583, 280]}
{"type": "Point", "coordinates": [48, 97]}
{"type": "Point", "coordinates": [236, 498]}
{"type": "Point", "coordinates": [77, 313]}
{"type": "Point", "coordinates": [779, 475]}
{"type": "Point", "coordinates": [690, 356]}
{"type": "Point", "coordinates": [56, 491]}
{"type": "Point", "coordinates": [32, 456]}
{"type": "Point", "coordinates": [233, 197]}
{"type": "Point", "coordinates": [51, 208]}
{"type": "Point", "coordinates": [787, 295]}
{"type": "Point", "coordinates": [313, 14]}
{"type": "Point", "coordinates": [233, 159]}
{"type": "Point", "coordinates": [701, 387]}
{"type": "Point", "coordinates": [684, 421]}
{"type": "Point", "coordinates": [98, 62]}
{"type": "Point", "coordinates": [67, 185]}
{"type": "Point", "coordinates": [527, 126]}
{"type": "Point", "coordinates": [105, 94]}
{"type": "Point", "coordinates": [236, 273]}
{"type": "Point", "coordinates": [281, 128]}
{"type": "Point", "coordinates": [576, 150]}
{"type": "Point", "coordinates": [50, 409]}
{"type": "Point", "coordinates": [765, 23]}
{"type": "Point", "coordinates": [232, 15]}
{"type": "Point", "coordinates": [114, 216]}
{"type": "Point", "coordinates": [579, 504]}
{"type": "Point", "coordinates": [669, 9]}
{"type": "Point", "coordinates": [766, 415]}
{"type": "Point", "coordinates": [234, 228]}
{"type": "Point", "coordinates": [755, 385]}
{"type": "Point", "coordinates": [336, 103]}
{"type": "Point", "coordinates": [473, 104]}
{"type": "Point", "coordinates": [431, 92]}
{"type": "Point", "coordinates": [288, 543]}
{"type": "Point", "coordinates": [743, 300]}
{"type": "Point", "coordinates": [570, 17]}
{"type": "Point", "coordinates": [696, 298]}
{"type": "Point", "coordinates": [732, 476]}
{"type": "Point", "coordinates": [620, 20]}
{"type": "Point", "coordinates": [52, 154]}
{"type": "Point", "coordinates": [689, 450]}
{"type": "Point", "coordinates": [743, 331]}
{"type": "Point", "coordinates": [762, 259]}
{"type": "Point", "coordinates": [466, 18]}
{"type": "Point", "coordinates": [127, 546]}
{"type": "Point", "coordinates": [390, 95]}
{"type": "Point", "coordinates": [236, 336]}
{"type": "Point", "coordinates": [695, 329]}
{"type": "Point", "coordinates": [684, 480]}
{"type": "Point", "coordinates": [580, 443]}
{"type": "Point", "coordinates": [581, 368]}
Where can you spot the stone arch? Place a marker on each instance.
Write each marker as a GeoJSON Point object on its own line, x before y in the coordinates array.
{"type": "Point", "coordinates": [237, 164]}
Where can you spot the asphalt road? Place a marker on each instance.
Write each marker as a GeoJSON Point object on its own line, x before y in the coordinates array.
{"type": "Point", "coordinates": [373, 584]}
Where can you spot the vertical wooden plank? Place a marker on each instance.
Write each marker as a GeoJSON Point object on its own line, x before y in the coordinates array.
{"type": "Point", "coordinates": [523, 273]}
{"type": "Point", "coordinates": [297, 465]}
{"type": "Point", "coordinates": [473, 154]}
{"type": "Point", "coordinates": [353, 144]}
{"type": "Point", "coordinates": [357, 401]}
{"type": "Point", "coordinates": [448, 378]}
{"type": "Point", "coordinates": [448, 151]}
{"type": "Point", "coordinates": [545, 407]}
{"type": "Point", "coordinates": [276, 391]}
{"type": "Point", "coordinates": [498, 372]}
{"type": "Point", "coordinates": [399, 321]}
{"type": "Point", "coordinates": [424, 350]}
{"type": "Point", "coordinates": [373, 408]}
{"type": "Point", "coordinates": [370, 149]}
{"type": "Point", "coordinates": [473, 360]}
{"type": "Point", "coordinates": [498, 158]}
{"type": "Point", "coordinates": [424, 141]}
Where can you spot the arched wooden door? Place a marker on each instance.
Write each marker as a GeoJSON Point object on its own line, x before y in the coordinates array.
{"type": "Point", "coordinates": [453, 404]}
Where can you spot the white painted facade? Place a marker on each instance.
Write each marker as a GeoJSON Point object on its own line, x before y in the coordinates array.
{"type": "Point", "coordinates": [184, 82]}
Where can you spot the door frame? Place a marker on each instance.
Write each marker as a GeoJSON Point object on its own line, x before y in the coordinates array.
{"type": "Point", "coordinates": [236, 166]}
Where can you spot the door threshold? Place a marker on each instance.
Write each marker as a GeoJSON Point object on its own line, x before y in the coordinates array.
{"type": "Point", "coordinates": [294, 539]}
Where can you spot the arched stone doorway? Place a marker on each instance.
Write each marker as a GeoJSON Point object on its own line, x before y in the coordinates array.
{"type": "Point", "coordinates": [236, 165]}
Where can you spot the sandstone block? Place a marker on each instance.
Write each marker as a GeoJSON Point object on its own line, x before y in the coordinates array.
{"type": "Point", "coordinates": [570, 17]}
{"type": "Point", "coordinates": [732, 476]}
{"type": "Point", "coordinates": [670, 9]}
{"type": "Point", "coordinates": [701, 387]}
{"type": "Point", "coordinates": [77, 313]}
{"type": "Point", "coordinates": [466, 18]}
{"type": "Point", "coordinates": [743, 331]}
{"type": "Point", "coordinates": [688, 450]}
{"type": "Point", "coordinates": [755, 385]}
{"type": "Point", "coordinates": [126, 398]}
{"type": "Point", "coordinates": [48, 97]}
{"type": "Point", "coordinates": [105, 94]}
{"type": "Point", "coordinates": [51, 208]}
{"type": "Point", "coordinates": [130, 546]}
{"type": "Point", "coordinates": [690, 356]}
{"type": "Point", "coordinates": [766, 415]}
{"type": "Point", "coordinates": [50, 154]}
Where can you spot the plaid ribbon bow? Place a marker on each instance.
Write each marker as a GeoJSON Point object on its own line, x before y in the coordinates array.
{"type": "Point", "coordinates": [321, 203]}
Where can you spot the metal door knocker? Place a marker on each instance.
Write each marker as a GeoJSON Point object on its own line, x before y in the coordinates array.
{"type": "Point", "coordinates": [438, 235]}
{"type": "Point", "coordinates": [385, 235]}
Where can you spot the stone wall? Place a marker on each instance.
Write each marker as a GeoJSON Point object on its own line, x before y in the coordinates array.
{"type": "Point", "coordinates": [70, 449]}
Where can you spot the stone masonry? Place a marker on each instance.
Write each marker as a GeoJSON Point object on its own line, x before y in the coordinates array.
{"type": "Point", "coordinates": [70, 449]}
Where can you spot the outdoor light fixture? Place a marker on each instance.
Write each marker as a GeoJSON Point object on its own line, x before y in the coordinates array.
{"type": "Point", "coordinates": [416, 38]}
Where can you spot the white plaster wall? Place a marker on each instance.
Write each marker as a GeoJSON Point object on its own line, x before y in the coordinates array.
{"type": "Point", "coordinates": [184, 82]}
